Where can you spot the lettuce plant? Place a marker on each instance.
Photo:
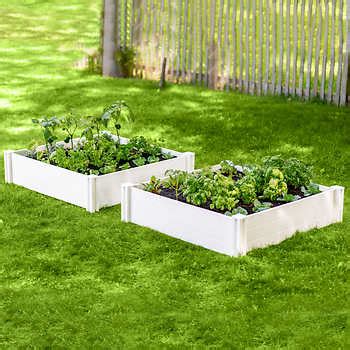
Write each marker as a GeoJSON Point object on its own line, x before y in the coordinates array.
{"type": "Point", "coordinates": [275, 186]}
{"type": "Point", "coordinates": [296, 172]}
{"type": "Point", "coordinates": [228, 168]}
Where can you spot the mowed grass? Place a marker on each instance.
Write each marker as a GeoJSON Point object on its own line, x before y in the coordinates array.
{"type": "Point", "coordinates": [70, 279]}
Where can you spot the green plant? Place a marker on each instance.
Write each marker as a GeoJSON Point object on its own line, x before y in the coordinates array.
{"type": "Point", "coordinates": [288, 198]}
{"type": "Point", "coordinates": [154, 185]}
{"type": "Point", "coordinates": [261, 206]}
{"type": "Point", "coordinates": [224, 194]}
{"type": "Point", "coordinates": [275, 187]}
{"type": "Point", "coordinates": [94, 62]}
{"type": "Point", "coordinates": [296, 172]}
{"type": "Point", "coordinates": [48, 126]}
{"type": "Point", "coordinates": [197, 188]}
{"type": "Point", "coordinates": [247, 189]}
{"type": "Point", "coordinates": [69, 124]}
{"type": "Point", "coordinates": [125, 57]}
{"type": "Point", "coordinates": [310, 189]}
{"type": "Point", "coordinates": [117, 112]}
{"type": "Point", "coordinates": [153, 159]}
{"type": "Point", "coordinates": [124, 166]}
{"type": "Point", "coordinates": [227, 168]}
{"type": "Point", "coordinates": [175, 180]}
{"type": "Point", "coordinates": [235, 211]}
{"type": "Point", "coordinates": [70, 159]}
{"type": "Point", "coordinates": [139, 161]}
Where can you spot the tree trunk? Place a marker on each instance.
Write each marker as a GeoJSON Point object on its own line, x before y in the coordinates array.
{"type": "Point", "coordinates": [109, 65]}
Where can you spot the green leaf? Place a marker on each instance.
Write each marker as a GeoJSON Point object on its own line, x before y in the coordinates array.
{"type": "Point", "coordinates": [288, 198]}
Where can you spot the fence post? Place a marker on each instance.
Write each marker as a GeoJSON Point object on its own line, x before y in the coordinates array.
{"type": "Point", "coordinates": [109, 65]}
{"type": "Point", "coordinates": [213, 65]}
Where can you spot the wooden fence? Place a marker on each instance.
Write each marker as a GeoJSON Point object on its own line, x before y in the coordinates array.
{"type": "Point", "coordinates": [291, 47]}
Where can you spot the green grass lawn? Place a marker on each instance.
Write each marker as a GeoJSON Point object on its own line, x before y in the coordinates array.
{"type": "Point", "coordinates": [70, 279]}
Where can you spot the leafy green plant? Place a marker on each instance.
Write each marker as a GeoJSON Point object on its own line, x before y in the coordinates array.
{"type": "Point", "coordinates": [227, 168]}
{"type": "Point", "coordinates": [48, 126]}
{"type": "Point", "coordinates": [118, 112]}
{"type": "Point", "coordinates": [288, 198]}
{"type": "Point", "coordinates": [275, 187]}
{"type": "Point", "coordinates": [310, 189]}
{"type": "Point", "coordinates": [224, 194]}
{"type": "Point", "coordinates": [139, 161]}
{"type": "Point", "coordinates": [175, 180]}
{"type": "Point", "coordinates": [154, 185]}
{"type": "Point", "coordinates": [125, 166]}
{"type": "Point", "coordinates": [197, 188]}
{"type": "Point", "coordinates": [70, 159]}
{"type": "Point", "coordinates": [94, 62]}
{"type": "Point", "coordinates": [70, 124]}
{"type": "Point", "coordinates": [296, 172]}
{"type": "Point", "coordinates": [261, 206]}
{"type": "Point", "coordinates": [235, 211]}
{"type": "Point", "coordinates": [125, 57]}
{"type": "Point", "coordinates": [153, 159]}
{"type": "Point", "coordinates": [247, 189]}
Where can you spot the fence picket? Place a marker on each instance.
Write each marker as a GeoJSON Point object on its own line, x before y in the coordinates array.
{"type": "Point", "coordinates": [286, 86]}
{"type": "Point", "coordinates": [252, 87]}
{"type": "Point", "coordinates": [340, 54]}
{"type": "Point", "coordinates": [332, 62]}
{"type": "Point", "coordinates": [194, 36]}
{"type": "Point", "coordinates": [261, 36]}
{"type": "Point", "coordinates": [311, 24]}
{"type": "Point", "coordinates": [184, 46]}
{"type": "Point", "coordinates": [226, 59]}
{"type": "Point", "coordinates": [295, 48]}
{"type": "Point", "coordinates": [206, 26]}
{"type": "Point", "coordinates": [234, 45]}
{"type": "Point", "coordinates": [274, 46]}
{"type": "Point", "coordinates": [200, 34]}
{"type": "Point", "coordinates": [302, 50]}
{"type": "Point", "coordinates": [280, 61]}
{"type": "Point", "coordinates": [247, 50]}
{"type": "Point", "coordinates": [325, 53]}
{"type": "Point", "coordinates": [318, 47]}
{"type": "Point", "coordinates": [345, 74]}
{"type": "Point", "coordinates": [240, 80]}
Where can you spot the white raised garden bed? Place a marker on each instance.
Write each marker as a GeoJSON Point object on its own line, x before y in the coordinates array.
{"type": "Point", "coordinates": [91, 192]}
{"type": "Point", "coordinates": [234, 235]}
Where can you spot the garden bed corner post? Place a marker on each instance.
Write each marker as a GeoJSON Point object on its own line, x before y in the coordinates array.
{"type": "Point", "coordinates": [91, 205]}
{"type": "Point", "coordinates": [338, 203]}
{"type": "Point", "coordinates": [8, 166]}
{"type": "Point", "coordinates": [125, 201]}
{"type": "Point", "coordinates": [239, 235]}
{"type": "Point", "coordinates": [190, 159]}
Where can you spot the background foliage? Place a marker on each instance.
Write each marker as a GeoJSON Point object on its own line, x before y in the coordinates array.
{"type": "Point", "coordinates": [69, 279]}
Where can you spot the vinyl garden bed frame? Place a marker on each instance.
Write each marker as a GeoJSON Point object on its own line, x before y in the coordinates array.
{"type": "Point", "coordinates": [236, 235]}
{"type": "Point", "coordinates": [91, 192]}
